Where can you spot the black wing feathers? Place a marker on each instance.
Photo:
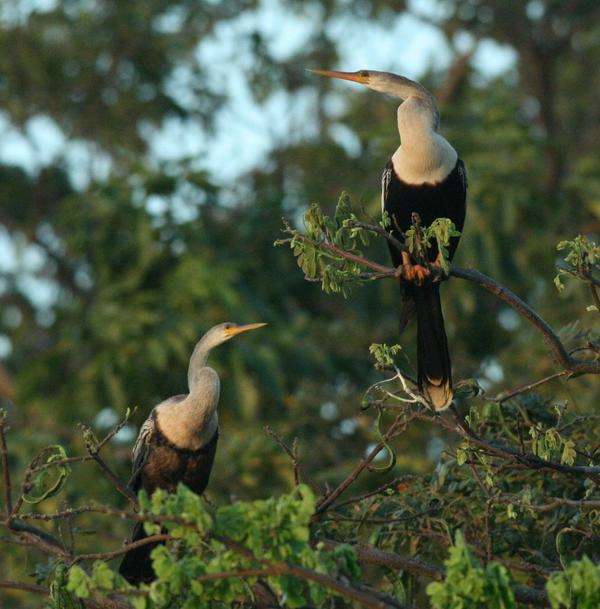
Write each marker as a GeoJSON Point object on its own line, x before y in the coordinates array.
{"type": "Point", "coordinates": [431, 201]}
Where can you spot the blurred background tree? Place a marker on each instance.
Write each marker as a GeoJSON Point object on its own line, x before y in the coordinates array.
{"type": "Point", "coordinates": [150, 150]}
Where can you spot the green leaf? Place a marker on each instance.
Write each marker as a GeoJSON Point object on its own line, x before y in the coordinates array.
{"type": "Point", "coordinates": [79, 582]}
{"type": "Point", "coordinates": [578, 586]}
{"type": "Point", "coordinates": [468, 586]}
{"type": "Point", "coordinates": [568, 454]}
{"type": "Point", "coordinates": [102, 576]}
{"type": "Point", "coordinates": [461, 456]}
{"type": "Point", "coordinates": [139, 602]}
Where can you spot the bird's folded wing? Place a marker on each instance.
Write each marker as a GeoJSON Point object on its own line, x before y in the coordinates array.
{"type": "Point", "coordinates": [139, 452]}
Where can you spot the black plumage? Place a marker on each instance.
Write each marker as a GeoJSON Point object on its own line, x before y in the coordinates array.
{"type": "Point", "coordinates": [158, 463]}
{"type": "Point", "coordinates": [426, 177]}
{"type": "Point", "coordinates": [446, 199]}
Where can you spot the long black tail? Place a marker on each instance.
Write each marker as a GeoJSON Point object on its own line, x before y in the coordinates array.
{"type": "Point", "coordinates": [136, 566]}
{"type": "Point", "coordinates": [434, 369]}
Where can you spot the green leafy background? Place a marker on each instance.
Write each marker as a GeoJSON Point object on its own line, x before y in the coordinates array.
{"type": "Point", "coordinates": [120, 261]}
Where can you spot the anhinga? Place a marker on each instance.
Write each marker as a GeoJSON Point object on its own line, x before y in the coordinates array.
{"type": "Point", "coordinates": [178, 441]}
{"type": "Point", "coordinates": [424, 176]}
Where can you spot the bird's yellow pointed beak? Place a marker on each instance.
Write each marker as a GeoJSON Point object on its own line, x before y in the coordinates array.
{"type": "Point", "coordinates": [239, 329]}
{"type": "Point", "coordinates": [359, 77]}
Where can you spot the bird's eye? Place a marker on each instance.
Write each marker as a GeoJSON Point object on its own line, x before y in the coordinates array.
{"type": "Point", "coordinates": [364, 73]}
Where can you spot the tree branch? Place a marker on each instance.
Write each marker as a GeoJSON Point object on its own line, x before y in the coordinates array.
{"type": "Point", "coordinates": [330, 497]}
{"type": "Point", "coordinates": [281, 568]}
{"type": "Point", "coordinates": [160, 537]}
{"type": "Point", "coordinates": [5, 470]}
{"type": "Point", "coordinates": [27, 587]}
{"type": "Point", "coordinates": [374, 556]}
{"type": "Point", "coordinates": [366, 599]}
{"type": "Point", "coordinates": [529, 460]}
{"type": "Point", "coordinates": [39, 538]}
{"type": "Point", "coordinates": [93, 449]}
{"type": "Point", "coordinates": [503, 397]}
{"type": "Point", "coordinates": [571, 366]}
{"type": "Point", "coordinates": [91, 603]}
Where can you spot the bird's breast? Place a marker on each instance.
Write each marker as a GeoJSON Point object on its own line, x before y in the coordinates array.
{"type": "Point", "coordinates": [424, 159]}
{"type": "Point", "coordinates": [167, 465]}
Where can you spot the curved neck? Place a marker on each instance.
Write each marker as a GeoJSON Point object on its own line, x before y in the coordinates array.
{"type": "Point", "coordinates": [424, 156]}
{"type": "Point", "coordinates": [197, 362]}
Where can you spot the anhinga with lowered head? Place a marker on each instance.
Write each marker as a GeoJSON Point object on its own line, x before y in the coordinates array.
{"type": "Point", "coordinates": [424, 176]}
{"type": "Point", "coordinates": [178, 441]}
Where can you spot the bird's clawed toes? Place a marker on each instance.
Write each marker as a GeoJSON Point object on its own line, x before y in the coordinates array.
{"type": "Point", "coordinates": [420, 274]}
{"type": "Point", "coordinates": [413, 273]}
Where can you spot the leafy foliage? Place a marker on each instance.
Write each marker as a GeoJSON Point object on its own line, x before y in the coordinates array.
{"type": "Point", "coordinates": [119, 252]}
{"type": "Point", "coordinates": [583, 263]}
{"type": "Point", "coordinates": [320, 247]}
{"type": "Point", "coordinates": [419, 239]}
{"type": "Point", "coordinates": [207, 562]}
{"type": "Point", "coordinates": [468, 585]}
{"type": "Point", "coordinates": [341, 231]}
{"type": "Point", "coordinates": [578, 586]}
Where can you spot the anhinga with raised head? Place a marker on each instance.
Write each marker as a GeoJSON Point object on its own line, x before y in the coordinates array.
{"type": "Point", "coordinates": [178, 441]}
{"type": "Point", "coordinates": [424, 176]}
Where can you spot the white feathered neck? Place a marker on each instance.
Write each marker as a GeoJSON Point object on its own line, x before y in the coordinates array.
{"type": "Point", "coordinates": [424, 156]}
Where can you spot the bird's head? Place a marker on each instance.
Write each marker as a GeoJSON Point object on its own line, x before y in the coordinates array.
{"type": "Point", "coordinates": [392, 84]}
{"type": "Point", "coordinates": [223, 332]}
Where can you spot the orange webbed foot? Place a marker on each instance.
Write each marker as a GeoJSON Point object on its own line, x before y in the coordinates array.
{"type": "Point", "coordinates": [413, 273]}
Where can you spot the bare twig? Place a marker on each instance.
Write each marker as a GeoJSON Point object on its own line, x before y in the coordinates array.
{"type": "Point", "coordinates": [115, 430]}
{"type": "Point", "coordinates": [83, 458]}
{"type": "Point", "coordinates": [401, 247]}
{"type": "Point", "coordinates": [503, 397]}
{"type": "Point", "coordinates": [399, 481]}
{"type": "Point", "coordinates": [399, 423]}
{"type": "Point", "coordinates": [489, 530]}
{"type": "Point", "coordinates": [292, 453]}
{"type": "Point", "coordinates": [123, 549]}
{"type": "Point", "coordinates": [58, 462]}
{"type": "Point", "coordinates": [93, 449]}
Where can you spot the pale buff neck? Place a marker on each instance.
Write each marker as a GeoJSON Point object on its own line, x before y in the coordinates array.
{"type": "Point", "coordinates": [192, 422]}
